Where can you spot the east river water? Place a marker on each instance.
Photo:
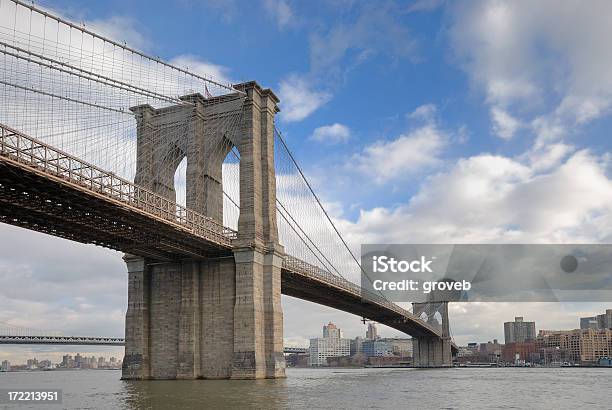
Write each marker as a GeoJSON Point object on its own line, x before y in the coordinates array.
{"type": "Point", "coordinates": [460, 388]}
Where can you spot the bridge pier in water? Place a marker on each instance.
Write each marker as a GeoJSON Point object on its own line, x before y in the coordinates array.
{"type": "Point", "coordinates": [217, 317]}
{"type": "Point", "coordinates": [431, 351]}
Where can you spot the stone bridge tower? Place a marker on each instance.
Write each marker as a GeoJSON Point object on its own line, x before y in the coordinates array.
{"type": "Point", "coordinates": [432, 351]}
{"type": "Point", "coordinates": [220, 317]}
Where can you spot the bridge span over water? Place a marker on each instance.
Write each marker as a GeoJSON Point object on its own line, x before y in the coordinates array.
{"type": "Point", "coordinates": [94, 141]}
{"type": "Point", "coordinates": [58, 194]}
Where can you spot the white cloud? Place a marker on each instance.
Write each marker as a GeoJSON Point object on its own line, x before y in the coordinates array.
{"type": "Point", "coordinates": [203, 68]}
{"type": "Point", "coordinates": [299, 99]}
{"type": "Point", "coordinates": [548, 156]}
{"type": "Point", "coordinates": [331, 134]}
{"type": "Point", "coordinates": [375, 31]}
{"type": "Point", "coordinates": [488, 198]}
{"type": "Point", "coordinates": [546, 61]}
{"type": "Point", "coordinates": [504, 125]}
{"type": "Point", "coordinates": [280, 11]}
{"type": "Point", "coordinates": [121, 29]}
{"type": "Point", "coordinates": [425, 112]}
{"type": "Point", "coordinates": [407, 154]}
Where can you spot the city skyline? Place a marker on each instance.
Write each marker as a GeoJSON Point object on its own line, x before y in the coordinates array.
{"type": "Point", "coordinates": [44, 363]}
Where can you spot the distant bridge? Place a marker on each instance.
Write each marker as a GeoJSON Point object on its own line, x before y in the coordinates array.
{"type": "Point", "coordinates": [62, 340]}
{"type": "Point", "coordinates": [91, 341]}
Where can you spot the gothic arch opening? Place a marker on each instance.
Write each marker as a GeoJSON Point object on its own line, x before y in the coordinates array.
{"type": "Point", "coordinates": [167, 176]}
{"type": "Point", "coordinates": [180, 183]}
{"type": "Point", "coordinates": [437, 319]}
{"type": "Point", "coordinates": [230, 171]}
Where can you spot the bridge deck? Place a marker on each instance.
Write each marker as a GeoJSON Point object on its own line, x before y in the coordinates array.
{"type": "Point", "coordinates": [47, 190]}
{"type": "Point", "coordinates": [309, 282]}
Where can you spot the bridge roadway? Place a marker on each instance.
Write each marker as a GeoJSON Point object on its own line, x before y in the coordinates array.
{"type": "Point", "coordinates": [90, 341]}
{"type": "Point", "coordinates": [47, 190]}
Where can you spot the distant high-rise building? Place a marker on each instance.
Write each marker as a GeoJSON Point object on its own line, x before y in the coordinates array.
{"type": "Point", "coordinates": [588, 322]}
{"type": "Point", "coordinates": [603, 321]}
{"type": "Point", "coordinates": [519, 331]}
{"type": "Point", "coordinates": [372, 332]}
{"type": "Point", "coordinates": [6, 366]}
{"type": "Point", "coordinates": [67, 361]}
{"type": "Point", "coordinates": [332, 331]}
{"type": "Point", "coordinates": [332, 344]}
{"type": "Point", "coordinates": [357, 346]}
{"type": "Point", "coordinates": [79, 360]}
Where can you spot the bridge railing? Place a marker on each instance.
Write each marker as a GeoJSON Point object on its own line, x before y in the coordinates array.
{"type": "Point", "coordinates": [37, 155]}
{"type": "Point", "coordinates": [297, 265]}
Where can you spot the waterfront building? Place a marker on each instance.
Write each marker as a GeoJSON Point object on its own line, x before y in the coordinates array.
{"type": "Point", "coordinates": [45, 364]}
{"type": "Point", "coordinates": [332, 344]}
{"type": "Point", "coordinates": [604, 321]}
{"type": "Point", "coordinates": [582, 345]}
{"type": "Point", "coordinates": [357, 346]}
{"type": "Point", "coordinates": [490, 352]}
{"type": "Point", "coordinates": [67, 362]}
{"type": "Point", "coordinates": [401, 347]}
{"type": "Point", "coordinates": [377, 348]}
{"type": "Point", "coordinates": [520, 353]}
{"type": "Point", "coordinates": [32, 364]}
{"type": "Point", "coordinates": [588, 322]}
{"type": "Point", "coordinates": [605, 362]}
{"type": "Point", "coordinates": [463, 351]}
{"type": "Point", "coordinates": [519, 331]}
{"type": "Point", "coordinates": [473, 347]}
{"type": "Point", "coordinates": [79, 361]}
{"type": "Point", "coordinates": [6, 366]}
{"type": "Point", "coordinates": [491, 347]}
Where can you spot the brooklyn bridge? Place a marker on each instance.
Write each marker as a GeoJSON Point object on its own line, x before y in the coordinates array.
{"type": "Point", "coordinates": [192, 180]}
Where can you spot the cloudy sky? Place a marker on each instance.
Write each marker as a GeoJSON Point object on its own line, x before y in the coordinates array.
{"type": "Point", "coordinates": [419, 121]}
